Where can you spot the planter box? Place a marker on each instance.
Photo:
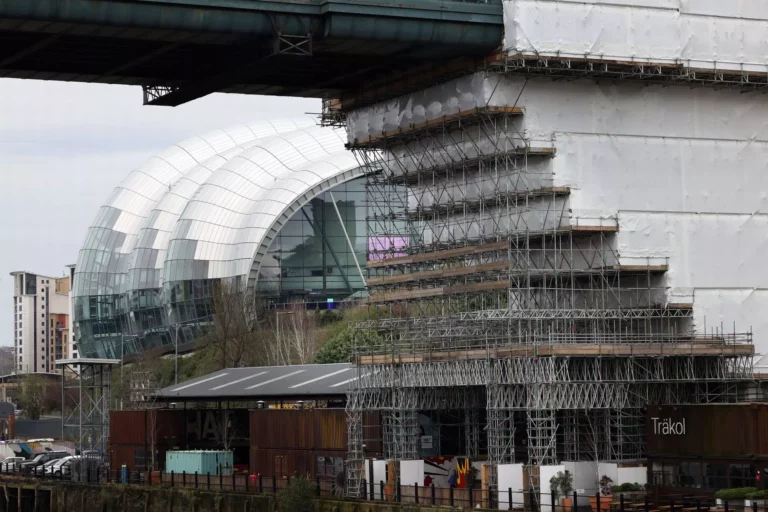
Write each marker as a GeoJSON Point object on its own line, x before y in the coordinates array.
{"type": "Point", "coordinates": [605, 503]}
{"type": "Point", "coordinates": [567, 504]}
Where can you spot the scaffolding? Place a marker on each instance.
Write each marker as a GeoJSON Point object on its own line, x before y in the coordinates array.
{"type": "Point", "coordinates": [487, 293]}
{"type": "Point", "coordinates": [85, 394]}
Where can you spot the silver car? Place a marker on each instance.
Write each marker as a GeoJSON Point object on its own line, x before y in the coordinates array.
{"type": "Point", "coordinates": [11, 464]}
{"type": "Point", "coordinates": [61, 467]}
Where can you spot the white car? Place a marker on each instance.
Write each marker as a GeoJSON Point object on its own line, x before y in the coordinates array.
{"type": "Point", "coordinates": [43, 469]}
{"type": "Point", "coordinates": [61, 467]}
{"type": "Point", "coordinates": [11, 464]}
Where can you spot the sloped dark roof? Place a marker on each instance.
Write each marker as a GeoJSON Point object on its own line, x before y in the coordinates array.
{"type": "Point", "coordinates": [264, 382]}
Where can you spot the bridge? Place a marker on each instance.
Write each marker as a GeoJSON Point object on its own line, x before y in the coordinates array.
{"type": "Point", "coordinates": [180, 50]}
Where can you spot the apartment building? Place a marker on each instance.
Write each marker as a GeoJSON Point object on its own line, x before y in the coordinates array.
{"type": "Point", "coordinates": [41, 327]}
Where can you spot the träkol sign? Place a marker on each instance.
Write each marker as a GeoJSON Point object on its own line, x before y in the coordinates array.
{"type": "Point", "coordinates": [668, 427]}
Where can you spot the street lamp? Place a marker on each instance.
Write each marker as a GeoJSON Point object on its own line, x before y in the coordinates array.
{"type": "Point", "coordinates": [122, 357]}
{"type": "Point", "coordinates": [176, 354]}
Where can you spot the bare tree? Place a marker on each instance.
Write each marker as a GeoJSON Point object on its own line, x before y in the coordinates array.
{"type": "Point", "coordinates": [294, 336]}
{"type": "Point", "coordinates": [237, 324]}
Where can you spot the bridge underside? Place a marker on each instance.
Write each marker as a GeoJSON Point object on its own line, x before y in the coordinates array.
{"type": "Point", "coordinates": [182, 51]}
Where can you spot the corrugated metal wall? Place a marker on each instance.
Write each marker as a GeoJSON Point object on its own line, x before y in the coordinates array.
{"type": "Point", "coordinates": [282, 442]}
{"type": "Point", "coordinates": [128, 435]}
{"type": "Point", "coordinates": [287, 442]}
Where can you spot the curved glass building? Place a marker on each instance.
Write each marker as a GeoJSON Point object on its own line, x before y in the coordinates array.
{"type": "Point", "coordinates": [278, 207]}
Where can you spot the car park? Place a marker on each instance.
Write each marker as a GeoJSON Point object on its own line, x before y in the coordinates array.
{"type": "Point", "coordinates": [61, 467]}
{"type": "Point", "coordinates": [11, 464]}
{"type": "Point", "coordinates": [31, 465]}
{"type": "Point", "coordinates": [42, 470]}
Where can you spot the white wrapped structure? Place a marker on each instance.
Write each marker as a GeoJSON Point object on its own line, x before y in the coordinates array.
{"type": "Point", "coordinates": [579, 248]}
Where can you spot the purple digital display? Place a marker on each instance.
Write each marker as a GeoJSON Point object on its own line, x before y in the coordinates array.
{"type": "Point", "coordinates": [381, 247]}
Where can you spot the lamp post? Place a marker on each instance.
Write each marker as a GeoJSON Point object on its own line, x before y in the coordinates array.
{"type": "Point", "coordinates": [176, 355]}
{"type": "Point", "coordinates": [122, 357]}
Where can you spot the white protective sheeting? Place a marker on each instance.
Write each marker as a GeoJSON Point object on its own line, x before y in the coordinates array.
{"type": "Point", "coordinates": [708, 34]}
{"type": "Point", "coordinates": [683, 171]}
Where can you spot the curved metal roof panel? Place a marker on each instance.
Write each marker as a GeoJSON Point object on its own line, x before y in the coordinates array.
{"type": "Point", "coordinates": [206, 208]}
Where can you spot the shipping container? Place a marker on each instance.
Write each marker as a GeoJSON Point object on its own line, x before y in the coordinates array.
{"type": "Point", "coordinates": [202, 462]}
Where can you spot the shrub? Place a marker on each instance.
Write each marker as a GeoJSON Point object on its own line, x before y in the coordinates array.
{"type": "Point", "coordinates": [339, 348]}
{"type": "Point", "coordinates": [759, 495]}
{"type": "Point", "coordinates": [737, 493]}
{"type": "Point", "coordinates": [627, 487]}
{"type": "Point", "coordinates": [605, 485]}
{"type": "Point", "coordinates": [297, 497]}
{"type": "Point", "coordinates": [561, 484]}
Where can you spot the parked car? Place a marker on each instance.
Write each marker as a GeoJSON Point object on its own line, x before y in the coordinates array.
{"type": "Point", "coordinates": [11, 464]}
{"type": "Point", "coordinates": [29, 466]}
{"type": "Point", "coordinates": [42, 470]}
{"type": "Point", "coordinates": [61, 467]}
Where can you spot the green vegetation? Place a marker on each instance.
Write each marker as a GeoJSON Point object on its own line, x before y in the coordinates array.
{"type": "Point", "coordinates": [297, 497]}
{"type": "Point", "coordinates": [323, 336]}
{"type": "Point", "coordinates": [758, 495]}
{"type": "Point", "coordinates": [339, 348]}
{"type": "Point", "coordinates": [561, 485]}
{"type": "Point", "coordinates": [32, 397]}
{"type": "Point", "coordinates": [627, 487]}
{"type": "Point", "coordinates": [737, 493]}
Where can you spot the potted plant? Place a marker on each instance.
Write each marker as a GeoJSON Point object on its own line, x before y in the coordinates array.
{"type": "Point", "coordinates": [565, 490]}
{"type": "Point", "coordinates": [605, 495]}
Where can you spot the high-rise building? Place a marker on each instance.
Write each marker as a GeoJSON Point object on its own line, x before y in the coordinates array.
{"type": "Point", "coordinates": [41, 332]}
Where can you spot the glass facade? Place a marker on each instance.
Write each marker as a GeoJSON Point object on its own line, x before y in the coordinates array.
{"type": "Point", "coordinates": [250, 205]}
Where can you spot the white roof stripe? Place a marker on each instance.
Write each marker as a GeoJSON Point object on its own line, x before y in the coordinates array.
{"type": "Point", "coordinates": [200, 382]}
{"type": "Point", "coordinates": [318, 378]}
{"type": "Point", "coordinates": [347, 381]}
{"type": "Point", "coordinates": [270, 381]}
{"type": "Point", "coordinates": [239, 380]}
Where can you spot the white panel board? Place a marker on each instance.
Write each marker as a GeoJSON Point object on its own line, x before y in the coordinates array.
{"type": "Point", "coordinates": [379, 475]}
{"type": "Point", "coordinates": [637, 475]}
{"type": "Point", "coordinates": [584, 478]}
{"type": "Point", "coordinates": [545, 474]}
{"type": "Point", "coordinates": [510, 476]}
{"type": "Point", "coordinates": [411, 472]}
{"type": "Point", "coordinates": [609, 469]}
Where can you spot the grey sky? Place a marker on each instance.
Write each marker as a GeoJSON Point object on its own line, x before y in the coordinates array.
{"type": "Point", "coordinates": [64, 147]}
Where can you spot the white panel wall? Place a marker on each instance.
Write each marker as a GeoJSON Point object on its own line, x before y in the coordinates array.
{"type": "Point", "coordinates": [637, 475]}
{"type": "Point", "coordinates": [379, 475]}
{"type": "Point", "coordinates": [704, 34]}
{"type": "Point", "coordinates": [584, 479]}
{"type": "Point", "coordinates": [510, 477]}
{"type": "Point", "coordinates": [609, 469]}
{"type": "Point", "coordinates": [545, 474]}
{"type": "Point", "coordinates": [411, 472]}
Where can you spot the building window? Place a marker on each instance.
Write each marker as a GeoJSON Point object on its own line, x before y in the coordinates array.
{"type": "Point", "coordinates": [42, 298]}
{"type": "Point", "coordinates": [43, 306]}
{"type": "Point", "coordinates": [19, 350]}
{"type": "Point", "coordinates": [19, 361]}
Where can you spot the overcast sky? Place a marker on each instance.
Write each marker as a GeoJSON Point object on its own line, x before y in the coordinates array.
{"type": "Point", "coordinates": [64, 147]}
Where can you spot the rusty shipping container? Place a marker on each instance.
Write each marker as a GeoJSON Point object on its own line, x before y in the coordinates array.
{"type": "Point", "coordinates": [711, 430]}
